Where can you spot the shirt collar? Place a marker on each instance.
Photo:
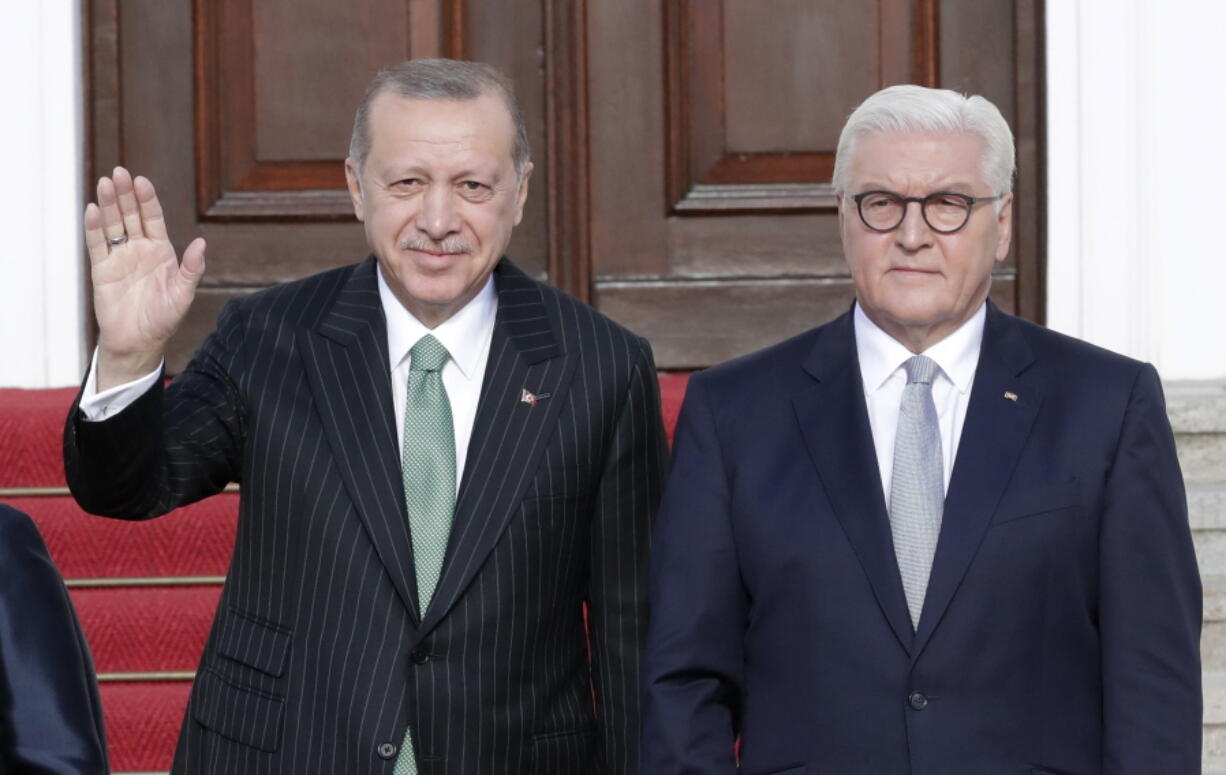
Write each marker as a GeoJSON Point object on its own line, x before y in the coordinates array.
{"type": "Point", "coordinates": [881, 354]}
{"type": "Point", "coordinates": [461, 334]}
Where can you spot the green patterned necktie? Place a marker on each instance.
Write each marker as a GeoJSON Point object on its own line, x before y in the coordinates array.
{"type": "Point", "coordinates": [428, 468]}
{"type": "Point", "coordinates": [428, 463]}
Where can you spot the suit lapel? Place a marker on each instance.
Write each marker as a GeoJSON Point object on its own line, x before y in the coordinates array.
{"type": "Point", "coordinates": [346, 362]}
{"type": "Point", "coordinates": [993, 436]}
{"type": "Point", "coordinates": [834, 423]}
{"type": "Point", "coordinates": [509, 433]}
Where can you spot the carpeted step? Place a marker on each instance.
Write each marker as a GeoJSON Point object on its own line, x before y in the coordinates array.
{"type": "Point", "coordinates": [32, 424]}
{"type": "Point", "coordinates": [146, 629]}
{"type": "Point", "coordinates": [142, 723]}
{"type": "Point", "coordinates": [196, 540]}
{"type": "Point", "coordinates": [672, 392]}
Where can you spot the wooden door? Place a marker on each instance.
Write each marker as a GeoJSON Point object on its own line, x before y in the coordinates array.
{"type": "Point", "coordinates": [683, 147]}
{"type": "Point", "coordinates": [713, 129]}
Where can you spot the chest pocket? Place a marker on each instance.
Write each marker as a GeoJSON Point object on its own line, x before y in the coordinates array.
{"type": "Point", "coordinates": [242, 713]}
{"type": "Point", "coordinates": [1033, 501]}
{"type": "Point", "coordinates": [560, 480]}
{"type": "Point", "coordinates": [254, 643]}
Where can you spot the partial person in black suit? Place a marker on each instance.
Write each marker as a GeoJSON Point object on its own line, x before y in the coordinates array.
{"type": "Point", "coordinates": [50, 714]}
{"type": "Point", "coordinates": [1003, 584]}
{"type": "Point", "coordinates": [321, 659]}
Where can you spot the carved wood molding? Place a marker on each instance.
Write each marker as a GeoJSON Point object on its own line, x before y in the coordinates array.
{"type": "Point", "coordinates": [703, 176]}
{"type": "Point", "coordinates": [566, 155]}
{"type": "Point", "coordinates": [232, 182]}
{"type": "Point", "coordinates": [1030, 213]}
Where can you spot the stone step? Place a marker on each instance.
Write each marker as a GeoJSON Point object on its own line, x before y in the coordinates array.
{"type": "Point", "coordinates": [1202, 456]}
{"type": "Point", "coordinates": [1215, 596]}
{"type": "Point", "coordinates": [1213, 684]}
{"type": "Point", "coordinates": [1196, 407]}
{"type": "Point", "coordinates": [1213, 650]}
{"type": "Point", "coordinates": [1207, 505]}
{"type": "Point", "coordinates": [1210, 551]}
{"type": "Point", "coordinates": [1213, 749]}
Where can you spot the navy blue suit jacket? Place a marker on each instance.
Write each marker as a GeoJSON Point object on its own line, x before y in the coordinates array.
{"type": "Point", "coordinates": [1060, 633]}
{"type": "Point", "coordinates": [50, 715]}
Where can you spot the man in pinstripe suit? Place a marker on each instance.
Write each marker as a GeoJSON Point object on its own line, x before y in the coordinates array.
{"type": "Point", "coordinates": [322, 657]}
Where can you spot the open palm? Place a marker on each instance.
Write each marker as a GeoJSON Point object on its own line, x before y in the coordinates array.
{"type": "Point", "coordinates": [141, 290]}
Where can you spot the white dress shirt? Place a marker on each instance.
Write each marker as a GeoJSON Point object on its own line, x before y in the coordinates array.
{"type": "Point", "coordinates": [99, 406]}
{"type": "Point", "coordinates": [881, 369]}
{"type": "Point", "coordinates": [466, 335]}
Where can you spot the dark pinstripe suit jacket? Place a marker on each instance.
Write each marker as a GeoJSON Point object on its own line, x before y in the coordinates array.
{"type": "Point", "coordinates": [319, 659]}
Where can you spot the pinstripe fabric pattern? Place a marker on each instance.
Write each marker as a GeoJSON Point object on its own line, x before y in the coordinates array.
{"type": "Point", "coordinates": [319, 661]}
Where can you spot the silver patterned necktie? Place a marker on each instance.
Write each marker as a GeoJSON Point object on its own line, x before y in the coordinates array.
{"type": "Point", "coordinates": [917, 487]}
{"type": "Point", "coordinates": [428, 468]}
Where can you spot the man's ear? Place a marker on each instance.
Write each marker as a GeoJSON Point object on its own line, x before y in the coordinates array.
{"type": "Point", "coordinates": [521, 196]}
{"type": "Point", "coordinates": [354, 180]}
{"type": "Point", "coordinates": [1004, 227]}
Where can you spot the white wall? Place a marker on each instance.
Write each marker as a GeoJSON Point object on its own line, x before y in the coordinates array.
{"type": "Point", "coordinates": [41, 298]}
{"type": "Point", "coordinates": [1136, 132]}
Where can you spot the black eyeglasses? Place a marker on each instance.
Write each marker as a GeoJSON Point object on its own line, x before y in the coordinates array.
{"type": "Point", "coordinates": [944, 211]}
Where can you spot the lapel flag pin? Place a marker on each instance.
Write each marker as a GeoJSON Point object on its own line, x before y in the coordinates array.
{"type": "Point", "coordinates": [526, 396]}
{"type": "Point", "coordinates": [1009, 394]}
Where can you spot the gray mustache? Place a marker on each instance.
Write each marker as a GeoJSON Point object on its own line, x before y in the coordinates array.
{"type": "Point", "coordinates": [446, 246]}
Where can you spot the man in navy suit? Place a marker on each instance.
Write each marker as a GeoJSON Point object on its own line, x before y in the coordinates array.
{"type": "Point", "coordinates": [50, 712]}
{"type": "Point", "coordinates": [926, 538]}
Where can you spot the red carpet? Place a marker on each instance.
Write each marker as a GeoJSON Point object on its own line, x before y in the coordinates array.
{"type": "Point", "coordinates": [151, 629]}
{"type": "Point", "coordinates": [145, 591]}
{"type": "Point", "coordinates": [142, 721]}
{"type": "Point", "coordinates": [30, 424]}
{"type": "Point", "coordinates": [194, 541]}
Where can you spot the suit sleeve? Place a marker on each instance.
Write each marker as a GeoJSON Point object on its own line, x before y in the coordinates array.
{"type": "Point", "coordinates": [693, 663]}
{"type": "Point", "coordinates": [50, 714]}
{"type": "Point", "coordinates": [171, 446]}
{"type": "Point", "coordinates": [625, 507]}
{"type": "Point", "coordinates": [1150, 600]}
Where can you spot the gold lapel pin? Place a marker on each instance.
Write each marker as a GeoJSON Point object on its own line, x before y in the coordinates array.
{"type": "Point", "coordinates": [1009, 394]}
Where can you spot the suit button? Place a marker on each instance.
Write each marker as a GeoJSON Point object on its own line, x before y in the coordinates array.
{"type": "Point", "coordinates": [917, 701]}
{"type": "Point", "coordinates": [419, 657]}
{"type": "Point", "coordinates": [386, 750]}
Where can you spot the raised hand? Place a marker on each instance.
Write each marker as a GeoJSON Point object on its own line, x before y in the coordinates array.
{"type": "Point", "coordinates": [141, 290]}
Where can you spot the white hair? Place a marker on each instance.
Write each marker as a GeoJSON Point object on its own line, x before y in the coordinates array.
{"type": "Point", "coordinates": [908, 108]}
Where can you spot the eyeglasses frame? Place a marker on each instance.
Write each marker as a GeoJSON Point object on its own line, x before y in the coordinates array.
{"type": "Point", "coordinates": [971, 201]}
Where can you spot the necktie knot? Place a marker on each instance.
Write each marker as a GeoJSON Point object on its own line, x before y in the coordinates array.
{"type": "Point", "coordinates": [428, 354]}
{"type": "Point", "coordinates": [920, 368]}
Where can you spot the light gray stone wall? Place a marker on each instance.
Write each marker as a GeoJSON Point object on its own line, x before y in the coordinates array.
{"type": "Point", "coordinates": [1198, 417]}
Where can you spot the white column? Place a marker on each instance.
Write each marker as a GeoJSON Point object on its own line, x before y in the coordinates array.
{"type": "Point", "coordinates": [1135, 170]}
{"type": "Point", "coordinates": [41, 276]}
